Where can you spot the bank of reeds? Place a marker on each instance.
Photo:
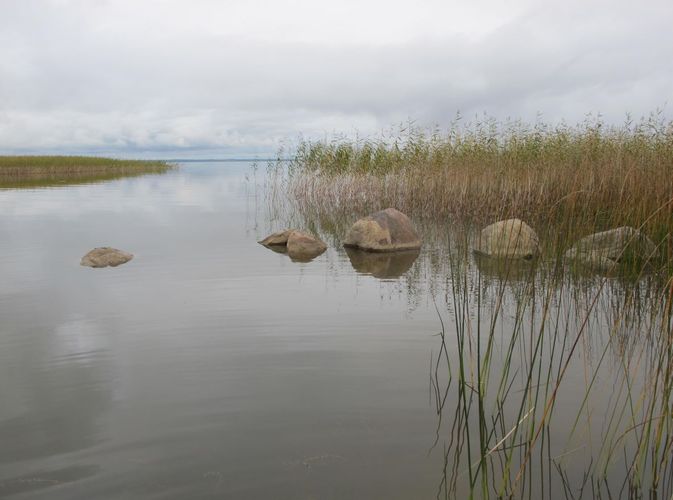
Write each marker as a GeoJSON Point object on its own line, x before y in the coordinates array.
{"type": "Point", "coordinates": [17, 171]}
{"type": "Point", "coordinates": [588, 176]}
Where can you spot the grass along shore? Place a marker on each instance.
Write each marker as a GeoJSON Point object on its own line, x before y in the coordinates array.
{"type": "Point", "coordinates": [18, 171]}
{"type": "Point", "coordinates": [575, 179]}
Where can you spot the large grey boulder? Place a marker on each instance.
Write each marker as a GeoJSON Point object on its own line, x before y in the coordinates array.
{"type": "Point", "coordinates": [386, 231]}
{"type": "Point", "coordinates": [303, 247]}
{"type": "Point", "coordinates": [104, 257]}
{"type": "Point", "coordinates": [511, 239]}
{"type": "Point", "coordinates": [606, 249]}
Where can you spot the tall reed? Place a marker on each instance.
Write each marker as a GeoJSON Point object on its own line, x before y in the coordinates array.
{"type": "Point", "coordinates": [547, 386]}
{"type": "Point", "coordinates": [572, 177]}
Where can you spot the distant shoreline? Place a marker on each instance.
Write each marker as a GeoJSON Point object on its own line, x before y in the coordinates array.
{"type": "Point", "coordinates": [19, 171]}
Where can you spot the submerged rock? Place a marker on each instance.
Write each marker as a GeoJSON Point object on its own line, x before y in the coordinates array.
{"type": "Point", "coordinates": [386, 231]}
{"type": "Point", "coordinates": [277, 238]}
{"type": "Point", "coordinates": [388, 265]}
{"type": "Point", "coordinates": [105, 256]}
{"type": "Point", "coordinates": [606, 249]}
{"type": "Point", "coordinates": [303, 247]}
{"type": "Point", "coordinates": [511, 239]}
{"type": "Point", "coordinates": [505, 270]}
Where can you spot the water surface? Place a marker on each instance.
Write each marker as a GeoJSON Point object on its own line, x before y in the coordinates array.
{"type": "Point", "coordinates": [212, 367]}
{"type": "Point", "coordinates": [208, 366]}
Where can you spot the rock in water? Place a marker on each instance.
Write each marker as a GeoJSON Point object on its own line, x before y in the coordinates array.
{"type": "Point", "coordinates": [303, 247]}
{"type": "Point", "coordinates": [278, 238]}
{"type": "Point", "coordinates": [605, 249]}
{"type": "Point", "coordinates": [386, 231]}
{"type": "Point", "coordinates": [511, 238]}
{"type": "Point", "coordinates": [105, 256]}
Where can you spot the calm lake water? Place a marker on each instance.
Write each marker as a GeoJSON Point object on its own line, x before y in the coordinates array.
{"type": "Point", "coordinates": [212, 367]}
{"type": "Point", "coordinates": [208, 366]}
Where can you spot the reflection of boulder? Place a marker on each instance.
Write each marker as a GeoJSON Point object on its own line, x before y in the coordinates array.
{"type": "Point", "coordinates": [612, 249]}
{"type": "Point", "coordinates": [504, 269]}
{"type": "Point", "coordinates": [511, 238]}
{"type": "Point", "coordinates": [382, 265]}
{"type": "Point", "coordinates": [385, 231]}
{"type": "Point", "coordinates": [105, 256]}
{"type": "Point", "coordinates": [278, 248]}
{"type": "Point", "coordinates": [300, 246]}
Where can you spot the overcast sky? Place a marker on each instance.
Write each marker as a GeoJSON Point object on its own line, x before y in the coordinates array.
{"type": "Point", "coordinates": [229, 77]}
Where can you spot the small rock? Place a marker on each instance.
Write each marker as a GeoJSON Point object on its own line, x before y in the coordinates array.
{"type": "Point", "coordinates": [303, 247]}
{"type": "Point", "coordinates": [104, 257]}
{"type": "Point", "coordinates": [386, 231]}
{"type": "Point", "coordinates": [277, 238]}
{"type": "Point", "coordinates": [511, 238]}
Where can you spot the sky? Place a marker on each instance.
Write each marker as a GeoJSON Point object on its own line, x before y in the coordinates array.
{"type": "Point", "coordinates": [230, 78]}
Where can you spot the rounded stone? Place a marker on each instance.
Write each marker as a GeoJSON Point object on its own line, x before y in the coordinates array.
{"type": "Point", "coordinates": [105, 257]}
{"type": "Point", "coordinates": [511, 238]}
{"type": "Point", "coordinates": [304, 247]}
{"type": "Point", "coordinates": [386, 231]}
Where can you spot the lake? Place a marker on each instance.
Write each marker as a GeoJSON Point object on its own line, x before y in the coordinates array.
{"type": "Point", "coordinates": [212, 367]}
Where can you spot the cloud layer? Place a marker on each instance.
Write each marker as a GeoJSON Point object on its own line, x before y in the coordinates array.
{"type": "Point", "coordinates": [164, 76]}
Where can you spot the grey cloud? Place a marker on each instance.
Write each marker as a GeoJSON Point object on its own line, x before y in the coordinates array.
{"type": "Point", "coordinates": [70, 84]}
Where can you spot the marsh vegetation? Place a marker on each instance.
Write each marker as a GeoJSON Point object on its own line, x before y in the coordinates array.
{"type": "Point", "coordinates": [36, 171]}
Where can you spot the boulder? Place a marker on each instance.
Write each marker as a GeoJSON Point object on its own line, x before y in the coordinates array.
{"type": "Point", "coordinates": [303, 247]}
{"type": "Point", "coordinates": [511, 239]}
{"type": "Point", "coordinates": [277, 238]}
{"type": "Point", "coordinates": [104, 257]}
{"type": "Point", "coordinates": [389, 265]}
{"type": "Point", "coordinates": [604, 250]}
{"type": "Point", "coordinates": [386, 231]}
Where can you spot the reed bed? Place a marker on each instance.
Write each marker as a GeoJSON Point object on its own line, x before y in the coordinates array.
{"type": "Point", "coordinates": [18, 171]}
{"type": "Point", "coordinates": [571, 177]}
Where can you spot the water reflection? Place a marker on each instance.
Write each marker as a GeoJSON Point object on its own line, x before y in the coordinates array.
{"type": "Point", "coordinates": [50, 181]}
{"type": "Point", "coordinates": [44, 479]}
{"type": "Point", "coordinates": [388, 265]}
{"type": "Point", "coordinates": [505, 270]}
{"type": "Point", "coordinates": [54, 394]}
